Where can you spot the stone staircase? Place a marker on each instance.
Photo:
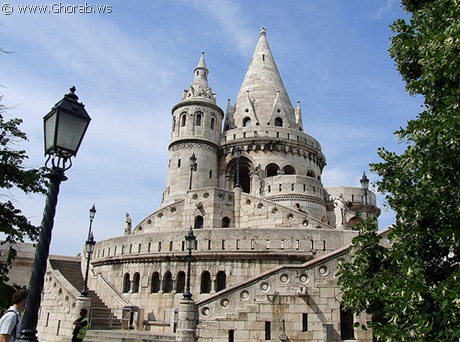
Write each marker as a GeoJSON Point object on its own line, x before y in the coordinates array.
{"type": "Point", "coordinates": [100, 312]}
{"type": "Point", "coordinates": [71, 270]}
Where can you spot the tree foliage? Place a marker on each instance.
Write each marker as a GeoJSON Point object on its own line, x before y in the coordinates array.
{"type": "Point", "coordinates": [413, 288]}
{"type": "Point", "coordinates": [14, 225]}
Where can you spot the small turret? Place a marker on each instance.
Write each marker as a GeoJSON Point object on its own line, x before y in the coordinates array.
{"type": "Point", "coordinates": [196, 127]}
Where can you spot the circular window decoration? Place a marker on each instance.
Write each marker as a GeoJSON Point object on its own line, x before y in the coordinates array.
{"type": "Point", "coordinates": [248, 202]}
{"type": "Point", "coordinates": [173, 209]}
{"type": "Point", "coordinates": [284, 278]}
{"type": "Point", "coordinates": [149, 221]}
{"type": "Point", "coordinates": [206, 311]}
{"type": "Point", "coordinates": [305, 223]}
{"type": "Point", "coordinates": [225, 303]}
{"type": "Point", "coordinates": [195, 196]}
{"type": "Point", "coordinates": [265, 286]}
{"type": "Point", "coordinates": [323, 271]}
{"type": "Point", "coordinates": [206, 195]}
{"type": "Point", "coordinates": [244, 295]}
{"type": "Point", "coordinates": [290, 217]}
{"type": "Point", "coordinates": [246, 110]}
{"type": "Point", "coordinates": [275, 211]}
{"type": "Point", "coordinates": [260, 206]}
{"type": "Point", "coordinates": [221, 196]}
{"type": "Point", "coordinates": [160, 215]}
{"type": "Point", "coordinates": [304, 279]}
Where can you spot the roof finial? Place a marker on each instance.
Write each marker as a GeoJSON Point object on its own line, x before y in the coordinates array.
{"type": "Point", "coordinates": [263, 31]}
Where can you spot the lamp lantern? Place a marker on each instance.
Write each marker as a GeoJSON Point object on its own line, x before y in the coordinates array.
{"type": "Point", "coordinates": [65, 126]}
{"type": "Point", "coordinates": [365, 186]}
{"type": "Point", "coordinates": [190, 239]}
{"type": "Point", "coordinates": [192, 168]}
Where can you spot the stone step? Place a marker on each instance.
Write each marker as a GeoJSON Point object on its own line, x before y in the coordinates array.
{"type": "Point", "coordinates": [126, 336]}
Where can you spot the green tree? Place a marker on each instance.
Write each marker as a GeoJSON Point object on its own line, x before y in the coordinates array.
{"type": "Point", "coordinates": [14, 225]}
{"type": "Point", "coordinates": [413, 289]}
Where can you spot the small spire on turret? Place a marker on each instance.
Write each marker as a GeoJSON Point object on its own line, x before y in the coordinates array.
{"type": "Point", "coordinates": [200, 87]}
{"type": "Point", "coordinates": [298, 116]}
{"type": "Point", "coordinates": [201, 63]}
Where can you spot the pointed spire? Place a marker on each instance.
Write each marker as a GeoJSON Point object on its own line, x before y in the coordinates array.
{"type": "Point", "coordinates": [266, 89]}
{"type": "Point", "coordinates": [200, 87]}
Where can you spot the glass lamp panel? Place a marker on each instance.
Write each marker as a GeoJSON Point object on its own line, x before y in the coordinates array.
{"type": "Point", "coordinates": [70, 132]}
{"type": "Point", "coordinates": [50, 127]}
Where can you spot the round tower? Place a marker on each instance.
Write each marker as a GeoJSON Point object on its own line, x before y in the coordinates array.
{"type": "Point", "coordinates": [279, 162]}
{"type": "Point", "coordinates": [195, 135]}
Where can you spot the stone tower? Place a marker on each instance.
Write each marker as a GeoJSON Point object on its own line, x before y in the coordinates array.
{"type": "Point", "coordinates": [266, 253]}
{"type": "Point", "coordinates": [196, 128]}
{"type": "Point", "coordinates": [279, 161]}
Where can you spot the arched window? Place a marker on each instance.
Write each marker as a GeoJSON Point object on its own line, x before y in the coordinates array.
{"type": "Point", "coordinates": [205, 282]}
{"type": "Point", "coordinates": [346, 324]}
{"type": "Point", "coordinates": [126, 283]}
{"type": "Point", "coordinates": [272, 170]}
{"type": "Point", "coordinates": [198, 222]}
{"type": "Point", "coordinates": [136, 280]}
{"type": "Point", "coordinates": [198, 119]}
{"type": "Point", "coordinates": [310, 173]}
{"type": "Point", "coordinates": [174, 124]}
{"type": "Point", "coordinates": [246, 122]}
{"type": "Point", "coordinates": [225, 222]}
{"type": "Point", "coordinates": [221, 280]}
{"type": "Point", "coordinates": [155, 286]}
{"type": "Point", "coordinates": [183, 120]}
{"type": "Point", "coordinates": [213, 123]}
{"type": "Point", "coordinates": [167, 282]}
{"type": "Point", "coordinates": [289, 170]}
{"type": "Point", "coordinates": [279, 122]}
{"type": "Point", "coordinates": [180, 282]}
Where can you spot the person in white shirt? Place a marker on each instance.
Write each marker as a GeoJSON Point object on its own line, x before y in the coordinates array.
{"type": "Point", "coordinates": [10, 323]}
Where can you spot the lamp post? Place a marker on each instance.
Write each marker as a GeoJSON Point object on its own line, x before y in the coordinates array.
{"type": "Point", "coordinates": [192, 168]}
{"type": "Point", "coordinates": [190, 239]}
{"type": "Point", "coordinates": [89, 248]}
{"type": "Point", "coordinates": [65, 125]}
{"type": "Point", "coordinates": [237, 154]}
{"type": "Point", "coordinates": [365, 186]}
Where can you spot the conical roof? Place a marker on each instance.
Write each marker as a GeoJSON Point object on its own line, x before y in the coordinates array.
{"type": "Point", "coordinates": [262, 97]}
{"type": "Point", "coordinates": [200, 88]}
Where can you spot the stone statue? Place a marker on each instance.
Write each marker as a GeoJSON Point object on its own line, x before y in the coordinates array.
{"type": "Point", "coordinates": [128, 224]}
{"type": "Point", "coordinates": [340, 210]}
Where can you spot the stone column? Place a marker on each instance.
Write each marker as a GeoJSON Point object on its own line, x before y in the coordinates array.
{"type": "Point", "coordinates": [237, 191]}
{"type": "Point", "coordinates": [186, 330]}
{"type": "Point", "coordinates": [82, 303]}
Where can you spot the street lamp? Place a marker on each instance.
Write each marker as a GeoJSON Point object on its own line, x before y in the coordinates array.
{"type": "Point", "coordinates": [65, 125]}
{"type": "Point", "coordinates": [192, 168]}
{"type": "Point", "coordinates": [237, 154]}
{"type": "Point", "coordinates": [365, 186]}
{"type": "Point", "coordinates": [190, 239]}
{"type": "Point", "coordinates": [89, 248]}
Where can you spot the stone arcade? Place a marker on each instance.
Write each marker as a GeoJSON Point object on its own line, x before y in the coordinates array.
{"type": "Point", "coordinates": [269, 236]}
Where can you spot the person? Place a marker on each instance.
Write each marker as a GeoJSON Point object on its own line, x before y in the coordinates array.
{"type": "Point", "coordinates": [81, 326]}
{"type": "Point", "coordinates": [10, 323]}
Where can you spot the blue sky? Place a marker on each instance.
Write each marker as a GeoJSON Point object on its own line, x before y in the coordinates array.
{"type": "Point", "coordinates": [130, 67]}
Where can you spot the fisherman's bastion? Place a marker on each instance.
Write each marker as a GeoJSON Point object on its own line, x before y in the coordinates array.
{"type": "Point", "coordinates": [246, 181]}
